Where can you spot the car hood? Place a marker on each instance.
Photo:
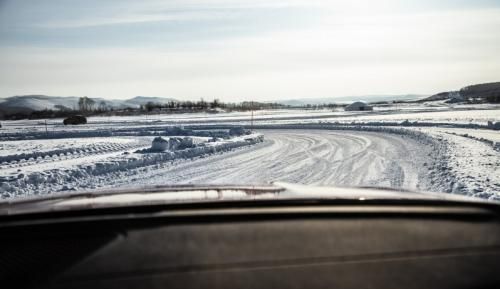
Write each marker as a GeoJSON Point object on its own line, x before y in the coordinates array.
{"type": "Point", "coordinates": [164, 195]}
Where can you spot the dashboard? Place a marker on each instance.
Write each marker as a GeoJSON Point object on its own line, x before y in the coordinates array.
{"type": "Point", "coordinates": [296, 244]}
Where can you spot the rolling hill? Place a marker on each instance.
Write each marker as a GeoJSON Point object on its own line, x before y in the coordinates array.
{"type": "Point", "coordinates": [27, 103]}
{"type": "Point", "coordinates": [487, 91]}
{"type": "Point", "coordinates": [348, 99]}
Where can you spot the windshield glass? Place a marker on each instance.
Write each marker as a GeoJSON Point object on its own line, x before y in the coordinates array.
{"type": "Point", "coordinates": [105, 95]}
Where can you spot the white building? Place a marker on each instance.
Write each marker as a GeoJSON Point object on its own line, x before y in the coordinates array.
{"type": "Point", "coordinates": [358, 106]}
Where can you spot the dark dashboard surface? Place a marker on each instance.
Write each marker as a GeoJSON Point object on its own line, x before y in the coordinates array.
{"type": "Point", "coordinates": [304, 244]}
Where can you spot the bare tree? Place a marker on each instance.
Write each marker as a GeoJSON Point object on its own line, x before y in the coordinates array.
{"type": "Point", "coordinates": [150, 106]}
{"type": "Point", "coordinates": [81, 104]}
{"type": "Point", "coordinates": [214, 103]}
{"type": "Point", "coordinates": [90, 104]}
{"type": "Point", "coordinates": [102, 105]}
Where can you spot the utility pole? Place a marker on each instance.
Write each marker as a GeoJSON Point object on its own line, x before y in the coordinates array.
{"type": "Point", "coordinates": [251, 118]}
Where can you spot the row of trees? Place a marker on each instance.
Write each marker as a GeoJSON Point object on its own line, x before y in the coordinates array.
{"type": "Point", "coordinates": [86, 104]}
{"type": "Point", "coordinates": [203, 105]}
{"type": "Point", "coordinates": [182, 105]}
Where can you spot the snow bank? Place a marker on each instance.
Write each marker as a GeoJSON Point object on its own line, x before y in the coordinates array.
{"type": "Point", "coordinates": [472, 164]}
{"type": "Point", "coordinates": [495, 145]}
{"type": "Point", "coordinates": [65, 179]}
{"type": "Point", "coordinates": [223, 133]}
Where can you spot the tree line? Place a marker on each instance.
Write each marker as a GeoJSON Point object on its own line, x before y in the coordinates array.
{"type": "Point", "coordinates": [86, 104]}
{"type": "Point", "coordinates": [90, 107]}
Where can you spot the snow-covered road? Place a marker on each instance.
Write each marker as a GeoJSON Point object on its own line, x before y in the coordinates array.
{"type": "Point", "coordinates": [317, 157]}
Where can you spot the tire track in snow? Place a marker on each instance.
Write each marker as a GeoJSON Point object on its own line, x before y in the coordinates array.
{"type": "Point", "coordinates": [27, 159]}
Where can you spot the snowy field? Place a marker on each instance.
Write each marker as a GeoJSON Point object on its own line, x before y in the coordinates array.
{"type": "Point", "coordinates": [449, 149]}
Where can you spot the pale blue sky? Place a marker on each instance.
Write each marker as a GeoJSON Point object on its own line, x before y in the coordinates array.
{"type": "Point", "coordinates": [236, 49]}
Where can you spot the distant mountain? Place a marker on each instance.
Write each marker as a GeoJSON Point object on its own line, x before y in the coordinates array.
{"type": "Point", "coordinates": [486, 91]}
{"type": "Point", "coordinates": [349, 99]}
{"type": "Point", "coordinates": [438, 96]}
{"type": "Point", "coordinates": [27, 103]}
{"type": "Point", "coordinates": [22, 103]}
{"type": "Point", "coordinates": [141, 100]}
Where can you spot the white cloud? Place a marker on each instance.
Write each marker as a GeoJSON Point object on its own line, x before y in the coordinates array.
{"type": "Point", "coordinates": [345, 54]}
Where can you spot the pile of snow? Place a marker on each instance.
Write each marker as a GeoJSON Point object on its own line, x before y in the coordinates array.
{"type": "Point", "coordinates": [177, 143]}
{"type": "Point", "coordinates": [159, 144]}
{"type": "Point", "coordinates": [186, 142]}
{"type": "Point", "coordinates": [174, 143]}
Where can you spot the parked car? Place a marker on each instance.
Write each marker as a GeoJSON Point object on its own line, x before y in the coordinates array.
{"type": "Point", "coordinates": [75, 119]}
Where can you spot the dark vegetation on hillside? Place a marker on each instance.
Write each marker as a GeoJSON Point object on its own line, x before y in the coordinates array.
{"type": "Point", "coordinates": [89, 107]}
{"type": "Point", "coordinates": [477, 93]}
{"type": "Point", "coordinates": [489, 91]}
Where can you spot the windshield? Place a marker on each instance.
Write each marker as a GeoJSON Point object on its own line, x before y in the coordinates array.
{"type": "Point", "coordinates": [111, 95]}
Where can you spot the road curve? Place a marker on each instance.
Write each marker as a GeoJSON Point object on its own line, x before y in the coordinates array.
{"type": "Point", "coordinates": [317, 157]}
